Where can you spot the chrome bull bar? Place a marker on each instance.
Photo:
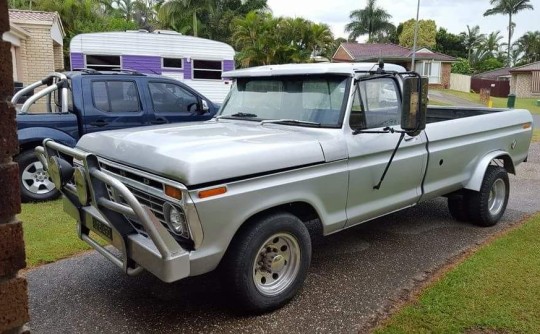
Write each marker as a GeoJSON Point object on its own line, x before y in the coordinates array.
{"type": "Point", "coordinates": [160, 253]}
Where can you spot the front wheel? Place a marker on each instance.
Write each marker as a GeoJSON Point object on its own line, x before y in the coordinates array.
{"type": "Point", "coordinates": [36, 184]}
{"type": "Point", "coordinates": [487, 206]}
{"type": "Point", "coordinates": [267, 262]}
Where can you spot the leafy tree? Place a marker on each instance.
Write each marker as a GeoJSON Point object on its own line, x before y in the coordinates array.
{"type": "Point", "coordinates": [529, 46]}
{"type": "Point", "coordinates": [262, 39]}
{"type": "Point", "coordinates": [488, 64]}
{"type": "Point", "coordinates": [450, 44]}
{"type": "Point", "coordinates": [508, 7]}
{"type": "Point", "coordinates": [368, 21]}
{"type": "Point", "coordinates": [427, 31]}
{"type": "Point", "coordinates": [492, 43]}
{"type": "Point", "coordinates": [462, 66]}
{"type": "Point", "coordinates": [174, 9]}
{"type": "Point", "coordinates": [473, 39]}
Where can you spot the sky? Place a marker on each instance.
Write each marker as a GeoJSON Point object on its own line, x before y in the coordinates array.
{"type": "Point", "coordinates": [454, 15]}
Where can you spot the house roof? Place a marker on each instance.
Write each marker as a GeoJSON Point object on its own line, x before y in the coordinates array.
{"type": "Point", "coordinates": [18, 15]}
{"type": "Point", "coordinates": [494, 74]}
{"type": "Point", "coordinates": [527, 68]}
{"type": "Point", "coordinates": [374, 51]}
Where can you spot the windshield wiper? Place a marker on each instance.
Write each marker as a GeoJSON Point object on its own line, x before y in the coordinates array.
{"type": "Point", "coordinates": [290, 121]}
{"type": "Point", "coordinates": [238, 115]}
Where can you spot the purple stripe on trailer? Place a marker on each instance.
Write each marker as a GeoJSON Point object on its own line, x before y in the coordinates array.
{"type": "Point", "coordinates": [187, 68]}
{"type": "Point", "coordinates": [143, 64]}
{"type": "Point", "coordinates": [77, 60]}
{"type": "Point", "coordinates": [228, 65]}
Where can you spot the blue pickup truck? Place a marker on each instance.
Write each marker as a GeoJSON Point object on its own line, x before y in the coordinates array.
{"type": "Point", "coordinates": [81, 102]}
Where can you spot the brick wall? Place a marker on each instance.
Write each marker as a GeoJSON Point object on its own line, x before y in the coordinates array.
{"type": "Point", "coordinates": [13, 289]}
{"type": "Point", "coordinates": [521, 85]}
{"type": "Point", "coordinates": [58, 57]}
{"type": "Point", "coordinates": [445, 74]}
{"type": "Point", "coordinates": [342, 55]}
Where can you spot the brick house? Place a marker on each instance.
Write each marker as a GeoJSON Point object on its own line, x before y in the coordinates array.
{"type": "Point", "coordinates": [435, 65]}
{"type": "Point", "coordinates": [525, 80]}
{"type": "Point", "coordinates": [36, 44]}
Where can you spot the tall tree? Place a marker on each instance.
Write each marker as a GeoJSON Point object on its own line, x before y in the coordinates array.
{"type": "Point", "coordinates": [450, 44]}
{"type": "Point", "coordinates": [180, 8]}
{"type": "Point", "coordinates": [492, 43]}
{"type": "Point", "coordinates": [473, 39]}
{"type": "Point", "coordinates": [370, 20]}
{"type": "Point", "coordinates": [529, 46]}
{"type": "Point", "coordinates": [427, 31]}
{"type": "Point", "coordinates": [508, 7]}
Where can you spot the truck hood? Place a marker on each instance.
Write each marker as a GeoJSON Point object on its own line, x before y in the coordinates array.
{"type": "Point", "coordinates": [203, 152]}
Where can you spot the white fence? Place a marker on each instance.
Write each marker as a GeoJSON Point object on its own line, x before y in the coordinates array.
{"type": "Point", "coordinates": [460, 82]}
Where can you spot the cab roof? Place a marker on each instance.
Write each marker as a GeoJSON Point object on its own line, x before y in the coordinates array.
{"type": "Point", "coordinates": [347, 69]}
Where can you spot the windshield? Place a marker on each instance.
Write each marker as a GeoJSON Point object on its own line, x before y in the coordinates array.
{"type": "Point", "coordinates": [309, 99]}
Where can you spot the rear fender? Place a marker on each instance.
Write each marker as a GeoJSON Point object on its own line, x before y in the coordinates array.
{"type": "Point", "coordinates": [475, 182]}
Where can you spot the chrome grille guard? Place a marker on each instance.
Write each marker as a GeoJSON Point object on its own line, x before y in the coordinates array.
{"type": "Point", "coordinates": [160, 253]}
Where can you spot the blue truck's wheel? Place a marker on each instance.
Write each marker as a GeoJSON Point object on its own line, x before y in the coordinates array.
{"type": "Point", "coordinates": [267, 262]}
{"type": "Point", "coordinates": [36, 185]}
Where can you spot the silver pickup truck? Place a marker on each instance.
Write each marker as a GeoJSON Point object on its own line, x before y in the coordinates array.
{"type": "Point", "coordinates": [295, 149]}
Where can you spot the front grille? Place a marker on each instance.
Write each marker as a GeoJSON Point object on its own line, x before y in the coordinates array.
{"type": "Point", "coordinates": [153, 202]}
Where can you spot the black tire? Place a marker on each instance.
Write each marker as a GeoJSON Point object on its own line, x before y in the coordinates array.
{"type": "Point", "coordinates": [241, 272]}
{"type": "Point", "coordinates": [38, 187]}
{"type": "Point", "coordinates": [484, 211]}
{"type": "Point", "coordinates": [457, 205]}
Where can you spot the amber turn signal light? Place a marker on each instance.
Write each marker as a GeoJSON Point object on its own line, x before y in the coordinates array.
{"type": "Point", "coordinates": [527, 125]}
{"type": "Point", "coordinates": [212, 192]}
{"type": "Point", "coordinates": [173, 192]}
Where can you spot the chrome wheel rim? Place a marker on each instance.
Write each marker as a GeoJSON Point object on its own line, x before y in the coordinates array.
{"type": "Point", "coordinates": [36, 180]}
{"type": "Point", "coordinates": [276, 264]}
{"type": "Point", "coordinates": [497, 194]}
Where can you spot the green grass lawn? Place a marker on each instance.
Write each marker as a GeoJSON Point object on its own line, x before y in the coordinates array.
{"type": "Point", "coordinates": [498, 102]}
{"type": "Point", "coordinates": [494, 291]}
{"type": "Point", "coordinates": [536, 135]}
{"type": "Point", "coordinates": [49, 233]}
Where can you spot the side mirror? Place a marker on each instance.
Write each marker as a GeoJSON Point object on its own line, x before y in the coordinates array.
{"type": "Point", "coordinates": [205, 107]}
{"type": "Point", "coordinates": [413, 110]}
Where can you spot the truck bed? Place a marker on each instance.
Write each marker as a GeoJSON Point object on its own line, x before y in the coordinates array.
{"type": "Point", "coordinates": [438, 114]}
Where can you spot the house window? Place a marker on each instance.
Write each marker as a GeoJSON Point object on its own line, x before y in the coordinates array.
{"type": "Point", "coordinates": [207, 69]}
{"type": "Point", "coordinates": [535, 82]}
{"type": "Point", "coordinates": [102, 62]}
{"type": "Point", "coordinates": [430, 69]}
{"type": "Point", "coordinates": [172, 63]}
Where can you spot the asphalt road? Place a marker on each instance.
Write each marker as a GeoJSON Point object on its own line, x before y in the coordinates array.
{"type": "Point", "coordinates": [354, 275]}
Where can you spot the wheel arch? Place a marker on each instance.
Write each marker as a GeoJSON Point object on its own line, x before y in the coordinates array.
{"type": "Point", "coordinates": [304, 211]}
{"type": "Point", "coordinates": [500, 158]}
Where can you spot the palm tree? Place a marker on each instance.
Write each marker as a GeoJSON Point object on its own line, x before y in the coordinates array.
{"type": "Point", "coordinates": [174, 8]}
{"type": "Point", "coordinates": [492, 43]}
{"type": "Point", "coordinates": [529, 45]}
{"type": "Point", "coordinates": [508, 7]}
{"type": "Point", "coordinates": [370, 21]}
{"type": "Point", "coordinates": [473, 39]}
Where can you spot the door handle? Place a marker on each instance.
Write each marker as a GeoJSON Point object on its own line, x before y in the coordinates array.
{"type": "Point", "coordinates": [99, 123]}
{"type": "Point", "coordinates": [159, 121]}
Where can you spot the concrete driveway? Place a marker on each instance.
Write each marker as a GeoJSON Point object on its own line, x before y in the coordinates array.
{"type": "Point", "coordinates": [354, 275]}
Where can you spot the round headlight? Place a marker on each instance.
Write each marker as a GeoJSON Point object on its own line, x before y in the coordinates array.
{"type": "Point", "coordinates": [176, 220]}
{"type": "Point", "coordinates": [81, 185]}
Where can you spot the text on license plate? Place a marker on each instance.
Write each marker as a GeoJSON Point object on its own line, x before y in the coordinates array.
{"type": "Point", "coordinates": [102, 229]}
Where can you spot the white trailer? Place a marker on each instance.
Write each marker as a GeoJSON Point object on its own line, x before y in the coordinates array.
{"type": "Point", "coordinates": [198, 62]}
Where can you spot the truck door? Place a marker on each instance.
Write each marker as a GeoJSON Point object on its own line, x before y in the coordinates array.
{"type": "Point", "coordinates": [112, 104]}
{"type": "Point", "coordinates": [171, 103]}
{"type": "Point", "coordinates": [376, 105]}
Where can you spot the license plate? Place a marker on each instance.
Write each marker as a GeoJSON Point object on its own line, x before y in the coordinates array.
{"type": "Point", "coordinates": [102, 229]}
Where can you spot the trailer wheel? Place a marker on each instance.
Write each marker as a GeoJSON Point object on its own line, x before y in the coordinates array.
{"type": "Point", "coordinates": [267, 263]}
{"type": "Point", "coordinates": [36, 186]}
{"type": "Point", "coordinates": [487, 206]}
